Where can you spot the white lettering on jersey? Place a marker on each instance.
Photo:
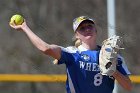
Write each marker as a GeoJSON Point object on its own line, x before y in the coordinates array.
{"type": "Point", "coordinates": [89, 66]}
{"type": "Point", "coordinates": [82, 64]}
{"type": "Point", "coordinates": [95, 67]}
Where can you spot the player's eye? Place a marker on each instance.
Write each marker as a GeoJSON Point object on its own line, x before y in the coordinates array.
{"type": "Point", "coordinates": [83, 28]}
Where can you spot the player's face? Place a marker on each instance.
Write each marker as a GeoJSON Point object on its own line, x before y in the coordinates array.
{"type": "Point", "coordinates": [86, 30]}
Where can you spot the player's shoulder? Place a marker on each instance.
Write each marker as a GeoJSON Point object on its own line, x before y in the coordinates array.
{"type": "Point", "coordinates": [70, 49]}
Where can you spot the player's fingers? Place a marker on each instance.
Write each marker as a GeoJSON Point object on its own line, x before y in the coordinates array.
{"type": "Point", "coordinates": [17, 27]}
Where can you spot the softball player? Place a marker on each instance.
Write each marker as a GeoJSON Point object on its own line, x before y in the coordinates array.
{"type": "Point", "coordinates": [82, 60]}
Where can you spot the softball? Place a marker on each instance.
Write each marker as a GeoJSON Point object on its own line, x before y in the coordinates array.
{"type": "Point", "coordinates": [17, 19]}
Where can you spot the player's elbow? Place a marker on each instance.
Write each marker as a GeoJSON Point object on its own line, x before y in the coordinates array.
{"type": "Point", "coordinates": [45, 50]}
{"type": "Point", "coordinates": [53, 51]}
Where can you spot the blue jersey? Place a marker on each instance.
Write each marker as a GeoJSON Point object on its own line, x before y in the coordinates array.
{"type": "Point", "coordinates": [83, 73]}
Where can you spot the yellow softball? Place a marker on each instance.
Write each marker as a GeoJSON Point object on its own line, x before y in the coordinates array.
{"type": "Point", "coordinates": [17, 19]}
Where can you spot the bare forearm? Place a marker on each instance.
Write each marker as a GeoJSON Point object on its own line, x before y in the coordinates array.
{"type": "Point", "coordinates": [51, 50]}
{"type": "Point", "coordinates": [124, 81]}
{"type": "Point", "coordinates": [40, 44]}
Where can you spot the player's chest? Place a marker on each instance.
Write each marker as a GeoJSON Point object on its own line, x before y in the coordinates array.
{"type": "Point", "coordinates": [88, 61]}
{"type": "Point", "coordinates": [88, 57]}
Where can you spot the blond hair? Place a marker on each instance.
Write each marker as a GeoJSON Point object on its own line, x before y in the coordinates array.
{"type": "Point", "coordinates": [77, 41]}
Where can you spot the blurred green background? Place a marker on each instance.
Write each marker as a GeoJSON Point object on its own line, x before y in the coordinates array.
{"type": "Point", "coordinates": [52, 20]}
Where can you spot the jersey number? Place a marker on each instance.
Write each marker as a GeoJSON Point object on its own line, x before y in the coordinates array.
{"type": "Point", "coordinates": [98, 79]}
